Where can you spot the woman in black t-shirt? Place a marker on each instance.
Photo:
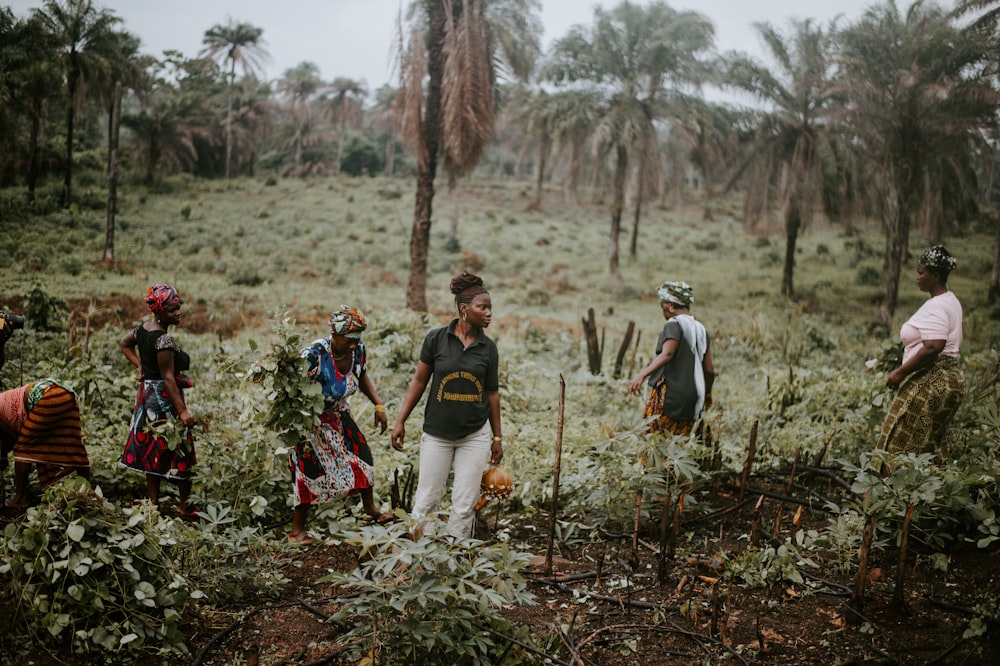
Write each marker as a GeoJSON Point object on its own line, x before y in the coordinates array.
{"type": "Point", "coordinates": [462, 414]}
{"type": "Point", "coordinates": [161, 364]}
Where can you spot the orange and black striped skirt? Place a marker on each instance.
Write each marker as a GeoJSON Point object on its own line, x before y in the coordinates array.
{"type": "Point", "coordinates": [51, 437]}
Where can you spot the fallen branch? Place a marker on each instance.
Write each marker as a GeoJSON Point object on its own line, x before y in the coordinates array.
{"type": "Point", "coordinates": [701, 639]}
{"type": "Point", "coordinates": [824, 472]}
{"type": "Point", "coordinates": [785, 498]}
{"type": "Point", "coordinates": [530, 648]}
{"type": "Point", "coordinates": [568, 578]}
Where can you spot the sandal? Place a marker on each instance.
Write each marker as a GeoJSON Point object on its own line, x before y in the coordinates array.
{"type": "Point", "coordinates": [303, 539]}
{"type": "Point", "coordinates": [190, 513]}
{"type": "Point", "coordinates": [379, 518]}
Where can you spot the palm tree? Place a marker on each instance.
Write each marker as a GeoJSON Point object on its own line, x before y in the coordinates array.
{"type": "Point", "coordinates": [922, 106]}
{"type": "Point", "coordinates": [346, 106]}
{"type": "Point", "coordinates": [985, 25]}
{"type": "Point", "coordinates": [453, 43]}
{"type": "Point", "coordinates": [381, 119]}
{"type": "Point", "coordinates": [86, 39]}
{"type": "Point", "coordinates": [629, 56]}
{"type": "Point", "coordinates": [173, 117]}
{"type": "Point", "coordinates": [230, 45]}
{"type": "Point", "coordinates": [126, 71]}
{"type": "Point", "coordinates": [792, 145]}
{"type": "Point", "coordinates": [298, 86]}
{"type": "Point", "coordinates": [28, 77]}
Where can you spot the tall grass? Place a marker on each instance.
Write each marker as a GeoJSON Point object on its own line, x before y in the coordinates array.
{"type": "Point", "coordinates": [240, 251]}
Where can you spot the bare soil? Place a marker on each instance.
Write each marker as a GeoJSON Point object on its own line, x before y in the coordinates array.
{"type": "Point", "coordinates": [602, 603]}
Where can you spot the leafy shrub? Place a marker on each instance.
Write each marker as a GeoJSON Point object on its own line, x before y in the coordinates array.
{"type": "Point", "coordinates": [95, 575]}
{"type": "Point", "coordinates": [42, 311]}
{"type": "Point", "coordinates": [868, 276]}
{"type": "Point", "coordinates": [430, 601]}
{"type": "Point", "coordinates": [246, 275]}
{"type": "Point", "coordinates": [361, 157]}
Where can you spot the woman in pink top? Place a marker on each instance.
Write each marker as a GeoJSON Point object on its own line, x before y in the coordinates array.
{"type": "Point", "coordinates": [930, 382]}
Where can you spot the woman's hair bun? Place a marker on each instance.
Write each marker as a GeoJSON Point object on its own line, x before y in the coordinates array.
{"type": "Point", "coordinates": [460, 283]}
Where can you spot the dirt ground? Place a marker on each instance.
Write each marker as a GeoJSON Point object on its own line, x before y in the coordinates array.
{"type": "Point", "coordinates": [599, 606]}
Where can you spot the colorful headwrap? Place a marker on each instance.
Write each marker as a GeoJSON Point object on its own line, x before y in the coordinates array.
{"type": "Point", "coordinates": [678, 293]}
{"type": "Point", "coordinates": [348, 322]}
{"type": "Point", "coordinates": [938, 259]}
{"type": "Point", "coordinates": [159, 296]}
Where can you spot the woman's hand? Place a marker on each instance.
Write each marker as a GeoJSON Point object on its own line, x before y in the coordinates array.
{"type": "Point", "coordinates": [398, 435]}
{"type": "Point", "coordinates": [187, 418]}
{"type": "Point", "coordinates": [381, 420]}
{"type": "Point", "coordinates": [635, 385]}
{"type": "Point", "coordinates": [895, 378]}
{"type": "Point", "coordinates": [496, 452]}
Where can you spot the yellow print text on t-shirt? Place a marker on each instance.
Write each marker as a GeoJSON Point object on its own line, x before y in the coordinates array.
{"type": "Point", "coordinates": [451, 396]}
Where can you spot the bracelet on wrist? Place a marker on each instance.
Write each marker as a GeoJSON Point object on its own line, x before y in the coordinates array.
{"type": "Point", "coordinates": [497, 438]}
{"type": "Point", "coordinates": [380, 409]}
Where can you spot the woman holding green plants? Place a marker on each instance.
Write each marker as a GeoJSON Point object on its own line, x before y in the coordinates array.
{"type": "Point", "coordinates": [161, 364]}
{"type": "Point", "coordinates": [929, 382]}
{"type": "Point", "coordinates": [682, 373]}
{"type": "Point", "coordinates": [337, 461]}
{"type": "Point", "coordinates": [463, 409]}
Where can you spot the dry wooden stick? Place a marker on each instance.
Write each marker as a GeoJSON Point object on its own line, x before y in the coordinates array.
{"type": "Point", "coordinates": [713, 629]}
{"type": "Point", "coordinates": [555, 473]}
{"type": "Point", "coordinates": [620, 359]}
{"type": "Point", "coordinates": [666, 536]}
{"type": "Point", "coordinates": [593, 352]}
{"type": "Point", "coordinates": [748, 463]}
{"type": "Point", "coordinates": [898, 604]}
{"type": "Point", "coordinates": [635, 529]}
{"type": "Point", "coordinates": [755, 523]}
{"type": "Point", "coordinates": [631, 363]}
{"type": "Point", "coordinates": [858, 595]}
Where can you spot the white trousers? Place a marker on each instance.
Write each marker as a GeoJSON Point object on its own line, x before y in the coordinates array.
{"type": "Point", "coordinates": [469, 456]}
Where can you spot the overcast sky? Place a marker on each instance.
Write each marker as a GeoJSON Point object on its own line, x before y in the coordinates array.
{"type": "Point", "coordinates": [353, 38]}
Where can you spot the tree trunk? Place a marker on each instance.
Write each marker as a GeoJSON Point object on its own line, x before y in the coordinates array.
{"type": "Point", "coordinates": [570, 193]}
{"type": "Point", "coordinates": [390, 155]}
{"type": "Point", "coordinates": [793, 222]}
{"type": "Point", "coordinates": [73, 78]}
{"type": "Point", "coordinates": [621, 168]}
{"type": "Point", "coordinates": [456, 209]}
{"type": "Point", "coordinates": [229, 115]}
{"type": "Point", "coordinates": [994, 292]}
{"type": "Point", "coordinates": [897, 241]}
{"type": "Point", "coordinates": [36, 126]}
{"type": "Point", "coordinates": [416, 291]}
{"type": "Point", "coordinates": [116, 117]}
{"type": "Point", "coordinates": [340, 150]}
{"type": "Point", "coordinates": [543, 151]}
{"type": "Point", "coordinates": [638, 214]}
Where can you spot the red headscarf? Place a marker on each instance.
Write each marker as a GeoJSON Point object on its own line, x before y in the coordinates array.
{"type": "Point", "coordinates": [159, 296]}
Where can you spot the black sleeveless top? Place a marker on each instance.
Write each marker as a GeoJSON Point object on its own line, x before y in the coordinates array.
{"type": "Point", "coordinates": [150, 343]}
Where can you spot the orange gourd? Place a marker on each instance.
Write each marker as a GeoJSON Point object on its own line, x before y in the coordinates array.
{"type": "Point", "coordinates": [496, 485]}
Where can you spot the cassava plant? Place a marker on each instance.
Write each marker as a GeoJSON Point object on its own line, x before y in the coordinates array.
{"type": "Point", "coordinates": [95, 576]}
{"type": "Point", "coordinates": [432, 600]}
